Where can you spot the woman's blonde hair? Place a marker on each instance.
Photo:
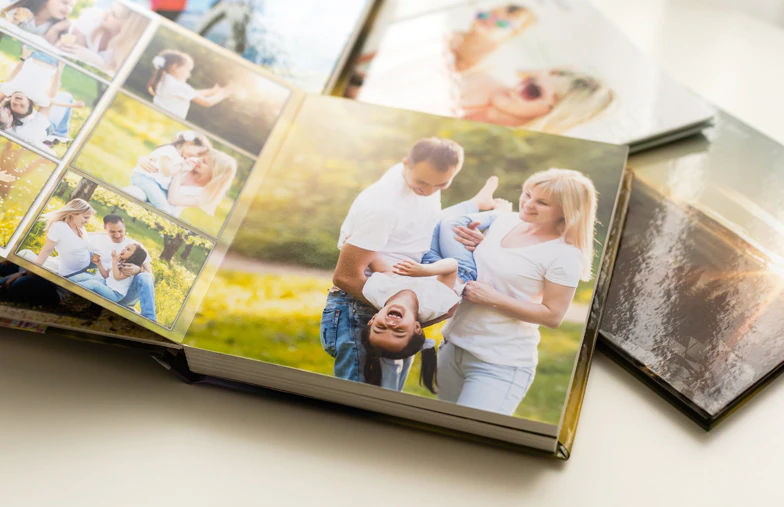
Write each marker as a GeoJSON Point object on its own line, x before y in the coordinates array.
{"type": "Point", "coordinates": [126, 39]}
{"type": "Point", "coordinates": [224, 168]}
{"type": "Point", "coordinates": [581, 97]}
{"type": "Point", "coordinates": [73, 207]}
{"type": "Point", "coordinates": [576, 194]}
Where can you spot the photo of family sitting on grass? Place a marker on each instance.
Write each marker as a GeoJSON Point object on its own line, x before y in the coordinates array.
{"type": "Point", "coordinates": [421, 254]}
{"type": "Point", "coordinates": [163, 163]}
{"type": "Point", "coordinates": [43, 101]}
{"type": "Point", "coordinates": [97, 35]}
{"type": "Point", "coordinates": [23, 173]}
{"type": "Point", "coordinates": [116, 249]}
{"type": "Point", "coordinates": [195, 83]}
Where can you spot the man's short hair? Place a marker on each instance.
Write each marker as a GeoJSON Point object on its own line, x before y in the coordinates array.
{"type": "Point", "coordinates": [113, 219]}
{"type": "Point", "coordinates": [443, 154]}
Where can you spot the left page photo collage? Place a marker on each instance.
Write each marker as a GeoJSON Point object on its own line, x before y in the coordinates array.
{"type": "Point", "coordinates": [130, 151]}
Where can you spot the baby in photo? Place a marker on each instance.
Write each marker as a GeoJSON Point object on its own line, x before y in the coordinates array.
{"type": "Point", "coordinates": [170, 89]}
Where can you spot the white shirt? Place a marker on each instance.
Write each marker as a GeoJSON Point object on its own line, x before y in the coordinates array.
{"type": "Point", "coordinates": [33, 129]}
{"type": "Point", "coordinates": [103, 245]}
{"type": "Point", "coordinates": [168, 151]}
{"type": "Point", "coordinates": [33, 80]}
{"type": "Point", "coordinates": [174, 96]}
{"type": "Point", "coordinates": [389, 218]}
{"type": "Point", "coordinates": [519, 273]}
{"type": "Point", "coordinates": [189, 190]}
{"type": "Point", "coordinates": [72, 251]}
{"type": "Point", "coordinates": [435, 298]}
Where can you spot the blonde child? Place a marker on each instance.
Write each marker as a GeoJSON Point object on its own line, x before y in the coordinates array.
{"type": "Point", "coordinates": [169, 85]}
{"type": "Point", "coordinates": [153, 174]}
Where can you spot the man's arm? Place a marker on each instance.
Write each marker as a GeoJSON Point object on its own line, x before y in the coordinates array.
{"type": "Point", "coordinates": [349, 274]}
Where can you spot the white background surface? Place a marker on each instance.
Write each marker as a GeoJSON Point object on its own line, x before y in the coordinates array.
{"type": "Point", "coordinates": [87, 425]}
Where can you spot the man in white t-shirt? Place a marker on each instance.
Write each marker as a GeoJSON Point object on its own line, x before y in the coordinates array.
{"type": "Point", "coordinates": [142, 289]}
{"type": "Point", "coordinates": [394, 218]}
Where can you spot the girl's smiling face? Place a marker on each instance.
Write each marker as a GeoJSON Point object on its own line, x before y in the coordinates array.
{"type": "Point", "coordinates": [60, 9]}
{"type": "Point", "coordinates": [126, 252]}
{"type": "Point", "coordinates": [19, 103]}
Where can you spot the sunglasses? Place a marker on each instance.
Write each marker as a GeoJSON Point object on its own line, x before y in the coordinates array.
{"type": "Point", "coordinates": [500, 23]}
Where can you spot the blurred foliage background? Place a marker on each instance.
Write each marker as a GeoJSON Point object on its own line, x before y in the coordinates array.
{"type": "Point", "coordinates": [177, 255]}
{"type": "Point", "coordinates": [245, 119]}
{"type": "Point", "coordinates": [130, 129]}
{"type": "Point", "coordinates": [16, 197]}
{"type": "Point", "coordinates": [80, 85]}
{"type": "Point", "coordinates": [267, 298]}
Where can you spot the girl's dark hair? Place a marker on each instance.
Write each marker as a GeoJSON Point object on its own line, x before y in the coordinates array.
{"type": "Point", "coordinates": [138, 256]}
{"type": "Point", "coordinates": [171, 58]}
{"type": "Point", "coordinates": [427, 371]}
{"type": "Point", "coordinates": [33, 5]}
{"type": "Point", "coordinates": [18, 117]}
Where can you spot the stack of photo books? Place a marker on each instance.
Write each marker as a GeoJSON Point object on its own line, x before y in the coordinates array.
{"type": "Point", "coordinates": [440, 250]}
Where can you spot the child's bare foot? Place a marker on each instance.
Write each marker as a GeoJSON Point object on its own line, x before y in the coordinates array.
{"type": "Point", "coordinates": [411, 268]}
{"type": "Point", "coordinates": [502, 205]}
{"type": "Point", "coordinates": [484, 198]}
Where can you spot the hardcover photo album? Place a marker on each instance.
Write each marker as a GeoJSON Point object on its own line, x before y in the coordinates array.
{"type": "Point", "coordinates": [551, 66]}
{"type": "Point", "coordinates": [428, 268]}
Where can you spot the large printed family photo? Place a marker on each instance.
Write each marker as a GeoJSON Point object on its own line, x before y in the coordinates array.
{"type": "Point", "coordinates": [419, 254]}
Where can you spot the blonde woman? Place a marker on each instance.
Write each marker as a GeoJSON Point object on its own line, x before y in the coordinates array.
{"type": "Point", "coordinates": [525, 273]}
{"type": "Point", "coordinates": [104, 38]}
{"type": "Point", "coordinates": [203, 186]}
{"type": "Point", "coordinates": [66, 235]}
{"type": "Point", "coordinates": [551, 101]}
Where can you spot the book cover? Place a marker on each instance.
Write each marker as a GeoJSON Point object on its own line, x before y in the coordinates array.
{"type": "Point", "coordinates": [694, 305]}
{"type": "Point", "coordinates": [551, 66]}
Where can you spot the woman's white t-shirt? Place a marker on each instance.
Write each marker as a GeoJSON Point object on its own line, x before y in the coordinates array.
{"type": "Point", "coordinates": [73, 252]}
{"type": "Point", "coordinates": [190, 191]}
{"type": "Point", "coordinates": [519, 273]}
{"type": "Point", "coordinates": [33, 80]}
{"type": "Point", "coordinates": [435, 298]}
{"type": "Point", "coordinates": [168, 151]}
{"type": "Point", "coordinates": [174, 96]}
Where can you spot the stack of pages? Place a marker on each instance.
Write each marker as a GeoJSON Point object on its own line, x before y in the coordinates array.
{"type": "Point", "coordinates": [437, 251]}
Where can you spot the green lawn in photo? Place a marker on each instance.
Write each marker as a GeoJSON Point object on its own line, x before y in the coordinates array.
{"type": "Point", "coordinates": [32, 172]}
{"type": "Point", "coordinates": [276, 318]}
{"type": "Point", "coordinates": [174, 278]}
{"type": "Point", "coordinates": [78, 84]}
{"type": "Point", "coordinates": [128, 130]}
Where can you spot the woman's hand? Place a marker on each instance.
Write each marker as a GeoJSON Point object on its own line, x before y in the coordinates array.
{"type": "Point", "coordinates": [481, 293]}
{"type": "Point", "coordinates": [21, 14]}
{"type": "Point", "coordinates": [468, 236]}
{"type": "Point", "coordinates": [53, 34]}
{"type": "Point", "coordinates": [130, 269]}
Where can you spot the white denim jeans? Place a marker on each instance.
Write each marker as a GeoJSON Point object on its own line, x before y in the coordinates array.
{"type": "Point", "coordinates": [466, 380]}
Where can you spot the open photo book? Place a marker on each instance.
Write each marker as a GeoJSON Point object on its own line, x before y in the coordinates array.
{"type": "Point", "coordinates": [174, 195]}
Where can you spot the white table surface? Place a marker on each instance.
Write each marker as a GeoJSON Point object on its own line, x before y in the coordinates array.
{"type": "Point", "coordinates": [85, 425]}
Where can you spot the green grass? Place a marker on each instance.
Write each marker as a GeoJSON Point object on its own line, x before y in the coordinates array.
{"type": "Point", "coordinates": [80, 85]}
{"type": "Point", "coordinates": [276, 319]}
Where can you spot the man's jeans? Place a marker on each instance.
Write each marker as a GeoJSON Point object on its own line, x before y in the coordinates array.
{"type": "Point", "coordinates": [342, 322]}
{"type": "Point", "coordinates": [142, 291]}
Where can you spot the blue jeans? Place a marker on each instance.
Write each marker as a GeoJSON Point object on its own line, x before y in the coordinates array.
{"type": "Point", "coordinates": [466, 380]}
{"type": "Point", "coordinates": [43, 57]}
{"type": "Point", "coordinates": [444, 245]}
{"type": "Point", "coordinates": [60, 117]}
{"type": "Point", "coordinates": [155, 193]}
{"type": "Point", "coordinates": [98, 285]}
{"type": "Point", "coordinates": [342, 322]}
{"type": "Point", "coordinates": [142, 291]}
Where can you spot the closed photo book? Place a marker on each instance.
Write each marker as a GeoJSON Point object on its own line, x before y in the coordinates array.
{"type": "Point", "coordinates": [171, 195]}
{"type": "Point", "coordinates": [551, 66]}
{"type": "Point", "coordinates": [695, 300]}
